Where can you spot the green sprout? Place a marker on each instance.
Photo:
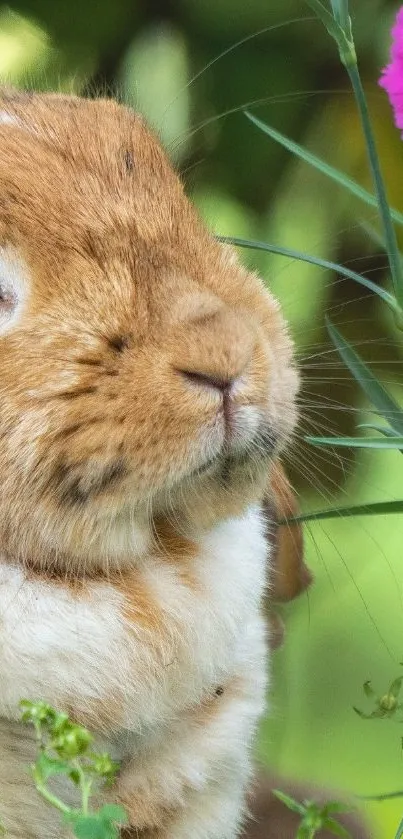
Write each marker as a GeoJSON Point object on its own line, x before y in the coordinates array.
{"type": "Point", "coordinates": [314, 817]}
{"type": "Point", "coordinates": [64, 748]}
{"type": "Point", "coordinates": [387, 705]}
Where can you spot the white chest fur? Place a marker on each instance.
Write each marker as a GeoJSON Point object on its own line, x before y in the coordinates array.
{"type": "Point", "coordinates": [137, 663]}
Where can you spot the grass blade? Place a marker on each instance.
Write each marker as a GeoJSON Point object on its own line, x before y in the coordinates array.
{"type": "Point", "coordinates": [399, 832]}
{"type": "Point", "coordinates": [313, 260]}
{"type": "Point", "coordinates": [374, 390]}
{"type": "Point", "coordinates": [382, 200]}
{"type": "Point", "coordinates": [359, 442]}
{"type": "Point", "coordinates": [339, 177]}
{"type": "Point", "coordinates": [289, 802]}
{"type": "Point", "coordinates": [341, 32]}
{"type": "Point", "coordinates": [340, 12]}
{"type": "Point", "coordinates": [325, 16]}
{"type": "Point", "coordinates": [378, 508]}
{"type": "Point", "coordinates": [383, 429]}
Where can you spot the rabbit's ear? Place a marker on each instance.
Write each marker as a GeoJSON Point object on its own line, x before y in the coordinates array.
{"type": "Point", "coordinates": [289, 574]}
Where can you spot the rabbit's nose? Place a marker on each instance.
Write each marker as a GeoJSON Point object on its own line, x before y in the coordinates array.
{"type": "Point", "coordinates": [221, 383]}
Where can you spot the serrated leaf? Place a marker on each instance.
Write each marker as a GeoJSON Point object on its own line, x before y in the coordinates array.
{"type": "Point", "coordinates": [313, 260]}
{"type": "Point", "coordinates": [339, 177]}
{"type": "Point", "coordinates": [358, 442]}
{"type": "Point", "coordinates": [386, 406]}
{"type": "Point", "coordinates": [289, 802]}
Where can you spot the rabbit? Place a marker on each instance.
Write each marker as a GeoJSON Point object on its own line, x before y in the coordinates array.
{"type": "Point", "coordinates": [147, 391]}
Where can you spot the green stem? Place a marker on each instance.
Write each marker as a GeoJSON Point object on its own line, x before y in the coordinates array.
{"type": "Point", "coordinates": [378, 508]}
{"type": "Point", "coordinates": [389, 231]}
{"type": "Point", "coordinates": [399, 833]}
{"type": "Point", "coordinates": [52, 799]}
{"type": "Point", "coordinates": [85, 786]}
{"type": "Point", "coordinates": [387, 796]}
{"type": "Point", "coordinates": [340, 29]}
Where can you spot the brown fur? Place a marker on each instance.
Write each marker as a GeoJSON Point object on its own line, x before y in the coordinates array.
{"type": "Point", "coordinates": [128, 289]}
{"type": "Point", "coordinates": [289, 576]}
{"type": "Point", "coordinates": [112, 412]}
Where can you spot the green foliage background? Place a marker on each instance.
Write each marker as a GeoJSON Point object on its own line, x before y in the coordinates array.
{"type": "Point", "coordinates": [155, 55]}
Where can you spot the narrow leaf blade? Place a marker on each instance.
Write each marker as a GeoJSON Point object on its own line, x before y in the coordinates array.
{"type": "Point", "coordinates": [378, 508]}
{"type": "Point", "coordinates": [383, 429]}
{"type": "Point", "coordinates": [331, 23]}
{"type": "Point", "coordinates": [337, 829]}
{"type": "Point", "coordinates": [339, 177]}
{"type": "Point", "coordinates": [380, 398]}
{"type": "Point", "coordinates": [313, 260]}
{"type": "Point", "coordinates": [358, 442]}
{"type": "Point", "coordinates": [289, 802]}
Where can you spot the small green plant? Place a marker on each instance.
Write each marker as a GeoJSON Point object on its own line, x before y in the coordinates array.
{"type": "Point", "coordinates": [64, 748]}
{"type": "Point", "coordinates": [315, 817]}
{"type": "Point", "coordinates": [387, 705]}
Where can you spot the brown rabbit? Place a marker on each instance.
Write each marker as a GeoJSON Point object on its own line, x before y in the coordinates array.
{"type": "Point", "coordinates": [146, 389]}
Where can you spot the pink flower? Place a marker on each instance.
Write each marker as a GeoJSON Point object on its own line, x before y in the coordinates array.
{"type": "Point", "coordinates": [392, 76]}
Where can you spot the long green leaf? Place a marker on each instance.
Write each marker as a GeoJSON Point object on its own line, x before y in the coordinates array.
{"type": "Point", "coordinates": [378, 508]}
{"type": "Point", "coordinates": [395, 263]}
{"type": "Point", "coordinates": [337, 829]}
{"type": "Point", "coordinates": [330, 22]}
{"type": "Point", "coordinates": [340, 12]}
{"type": "Point", "coordinates": [374, 390]}
{"type": "Point", "coordinates": [289, 802]}
{"type": "Point", "coordinates": [341, 32]}
{"type": "Point", "coordinates": [312, 260]}
{"type": "Point", "coordinates": [399, 832]}
{"type": "Point", "coordinates": [358, 442]}
{"type": "Point", "coordinates": [383, 429]}
{"type": "Point", "coordinates": [340, 177]}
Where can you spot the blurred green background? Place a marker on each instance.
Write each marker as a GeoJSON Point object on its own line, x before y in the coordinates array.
{"type": "Point", "coordinates": [190, 66]}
